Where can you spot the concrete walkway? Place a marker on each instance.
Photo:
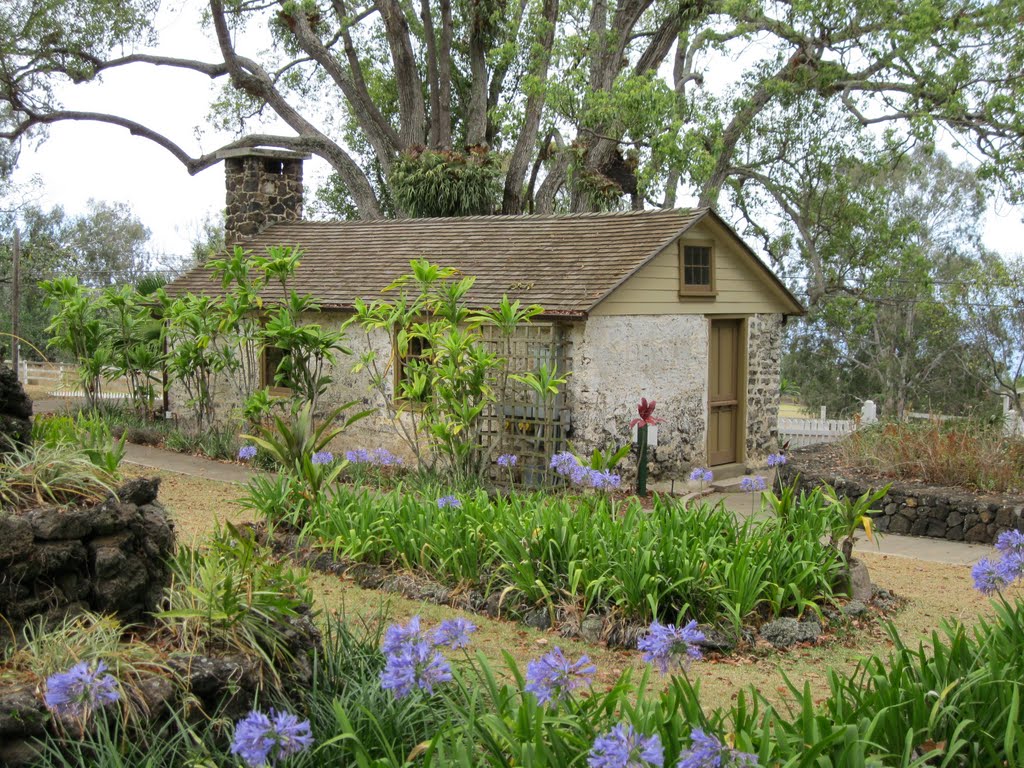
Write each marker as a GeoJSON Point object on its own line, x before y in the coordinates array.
{"type": "Point", "coordinates": [184, 464]}
{"type": "Point", "coordinates": [915, 547]}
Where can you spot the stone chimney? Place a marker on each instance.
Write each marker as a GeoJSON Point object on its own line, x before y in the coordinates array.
{"type": "Point", "coordinates": [264, 186]}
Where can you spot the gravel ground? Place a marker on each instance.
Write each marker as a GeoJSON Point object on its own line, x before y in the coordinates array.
{"type": "Point", "coordinates": [933, 591]}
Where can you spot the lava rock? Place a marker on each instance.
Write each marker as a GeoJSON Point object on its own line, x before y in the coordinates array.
{"type": "Point", "coordinates": [15, 412]}
{"type": "Point", "coordinates": [785, 633]}
{"type": "Point", "coordinates": [591, 629]}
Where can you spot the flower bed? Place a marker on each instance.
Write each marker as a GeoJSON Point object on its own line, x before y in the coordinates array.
{"type": "Point", "coordinates": [584, 554]}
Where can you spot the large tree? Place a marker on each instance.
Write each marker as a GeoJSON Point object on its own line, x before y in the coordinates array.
{"type": "Point", "coordinates": [437, 107]}
{"type": "Point", "coordinates": [884, 262]}
{"type": "Point", "coordinates": [104, 246]}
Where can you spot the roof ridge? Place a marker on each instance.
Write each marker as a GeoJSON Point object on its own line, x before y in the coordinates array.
{"type": "Point", "coordinates": [504, 217]}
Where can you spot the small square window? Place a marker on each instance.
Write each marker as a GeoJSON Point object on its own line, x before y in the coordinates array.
{"type": "Point", "coordinates": [418, 349]}
{"type": "Point", "coordinates": [696, 269]}
{"type": "Point", "coordinates": [276, 368]}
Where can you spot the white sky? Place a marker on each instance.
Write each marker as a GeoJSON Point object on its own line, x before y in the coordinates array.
{"type": "Point", "coordinates": [82, 160]}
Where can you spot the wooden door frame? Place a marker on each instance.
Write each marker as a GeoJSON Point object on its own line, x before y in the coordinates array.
{"type": "Point", "coordinates": [742, 373]}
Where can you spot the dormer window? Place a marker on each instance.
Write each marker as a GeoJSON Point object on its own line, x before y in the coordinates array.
{"type": "Point", "coordinates": [696, 269]}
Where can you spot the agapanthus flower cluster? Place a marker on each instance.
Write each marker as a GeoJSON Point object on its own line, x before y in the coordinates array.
{"type": "Point", "coordinates": [751, 484]}
{"type": "Point", "coordinates": [623, 747]}
{"type": "Point", "coordinates": [449, 501]}
{"type": "Point", "coordinates": [993, 576]}
{"type": "Point", "coordinates": [508, 460]}
{"type": "Point", "coordinates": [703, 475]}
{"type": "Point", "coordinates": [247, 452]}
{"type": "Point", "coordinates": [567, 465]}
{"type": "Point", "coordinates": [322, 457]}
{"type": "Point", "coordinates": [453, 633]}
{"type": "Point", "coordinates": [80, 690]}
{"type": "Point", "coordinates": [266, 739]}
{"type": "Point", "coordinates": [378, 457]}
{"type": "Point", "coordinates": [412, 656]}
{"type": "Point", "coordinates": [776, 459]}
{"type": "Point", "coordinates": [553, 677]}
{"type": "Point", "coordinates": [668, 645]}
{"type": "Point", "coordinates": [706, 751]}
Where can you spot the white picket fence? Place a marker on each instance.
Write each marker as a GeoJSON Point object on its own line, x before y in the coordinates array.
{"type": "Point", "coordinates": [798, 432]}
{"type": "Point", "coordinates": [56, 375]}
{"type": "Point", "coordinates": [61, 380]}
{"type": "Point", "coordinates": [801, 432]}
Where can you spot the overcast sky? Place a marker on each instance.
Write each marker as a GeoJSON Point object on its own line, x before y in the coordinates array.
{"type": "Point", "coordinates": [80, 161]}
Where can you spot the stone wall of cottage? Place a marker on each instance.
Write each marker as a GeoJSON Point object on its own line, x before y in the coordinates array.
{"type": "Point", "coordinates": [618, 360]}
{"type": "Point", "coordinates": [376, 431]}
{"type": "Point", "coordinates": [764, 369]}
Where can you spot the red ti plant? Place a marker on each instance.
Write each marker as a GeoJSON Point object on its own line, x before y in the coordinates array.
{"type": "Point", "coordinates": [646, 418]}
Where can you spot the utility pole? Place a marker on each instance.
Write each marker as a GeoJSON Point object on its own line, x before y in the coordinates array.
{"type": "Point", "coordinates": [16, 304]}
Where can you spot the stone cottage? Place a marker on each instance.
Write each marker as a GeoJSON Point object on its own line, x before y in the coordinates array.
{"type": "Point", "coordinates": [664, 304]}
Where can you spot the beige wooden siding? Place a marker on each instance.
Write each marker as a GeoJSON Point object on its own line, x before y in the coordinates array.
{"type": "Point", "coordinates": [742, 288]}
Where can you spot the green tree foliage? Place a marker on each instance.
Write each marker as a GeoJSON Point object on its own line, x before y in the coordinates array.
{"type": "Point", "coordinates": [992, 305]}
{"type": "Point", "coordinates": [884, 260]}
{"type": "Point", "coordinates": [109, 333]}
{"type": "Point", "coordinates": [583, 105]}
{"type": "Point", "coordinates": [224, 338]}
{"type": "Point", "coordinates": [105, 246]}
{"type": "Point", "coordinates": [448, 376]}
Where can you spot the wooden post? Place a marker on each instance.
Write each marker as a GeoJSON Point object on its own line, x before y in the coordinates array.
{"type": "Point", "coordinates": [16, 302]}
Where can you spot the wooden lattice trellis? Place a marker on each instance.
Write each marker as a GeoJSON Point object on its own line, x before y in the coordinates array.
{"type": "Point", "coordinates": [521, 422]}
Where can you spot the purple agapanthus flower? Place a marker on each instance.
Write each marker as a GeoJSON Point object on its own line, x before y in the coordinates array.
{"type": "Point", "coordinates": [80, 690]}
{"type": "Point", "coordinates": [706, 751]}
{"type": "Point", "coordinates": [322, 457]}
{"type": "Point", "coordinates": [412, 661]}
{"type": "Point", "coordinates": [247, 452]}
{"type": "Point", "coordinates": [776, 459]}
{"type": "Point", "coordinates": [508, 460]}
{"type": "Point", "coordinates": [382, 457]}
{"type": "Point", "coordinates": [610, 480]}
{"type": "Point", "coordinates": [398, 635]}
{"type": "Point", "coordinates": [623, 747]}
{"type": "Point", "coordinates": [1011, 566]}
{"type": "Point", "coordinates": [449, 501]}
{"type": "Point", "coordinates": [664, 645]}
{"type": "Point", "coordinates": [358, 456]}
{"type": "Point", "coordinates": [453, 633]}
{"type": "Point", "coordinates": [987, 577]}
{"type": "Point", "coordinates": [415, 664]}
{"type": "Point", "coordinates": [553, 677]}
{"type": "Point", "coordinates": [564, 462]}
{"type": "Point", "coordinates": [262, 739]}
{"type": "Point", "coordinates": [751, 484]}
{"type": "Point", "coordinates": [1009, 542]}
{"type": "Point", "coordinates": [702, 475]}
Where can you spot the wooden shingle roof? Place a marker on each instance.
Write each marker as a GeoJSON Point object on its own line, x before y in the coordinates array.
{"type": "Point", "coordinates": [566, 264]}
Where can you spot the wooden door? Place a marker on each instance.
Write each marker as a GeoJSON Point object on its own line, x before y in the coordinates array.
{"type": "Point", "coordinates": [724, 391]}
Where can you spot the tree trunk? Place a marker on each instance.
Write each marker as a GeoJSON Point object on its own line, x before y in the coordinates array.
{"type": "Point", "coordinates": [512, 202]}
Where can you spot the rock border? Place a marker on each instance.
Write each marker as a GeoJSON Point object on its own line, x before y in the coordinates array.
{"type": "Point", "coordinates": [915, 509]}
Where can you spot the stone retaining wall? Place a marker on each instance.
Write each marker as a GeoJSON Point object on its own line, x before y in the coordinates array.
{"type": "Point", "coordinates": [108, 558]}
{"type": "Point", "coordinates": [918, 509]}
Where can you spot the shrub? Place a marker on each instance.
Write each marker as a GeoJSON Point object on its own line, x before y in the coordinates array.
{"type": "Point", "coordinates": [234, 596]}
{"type": "Point", "coordinates": [960, 453]}
{"type": "Point", "coordinates": [56, 474]}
